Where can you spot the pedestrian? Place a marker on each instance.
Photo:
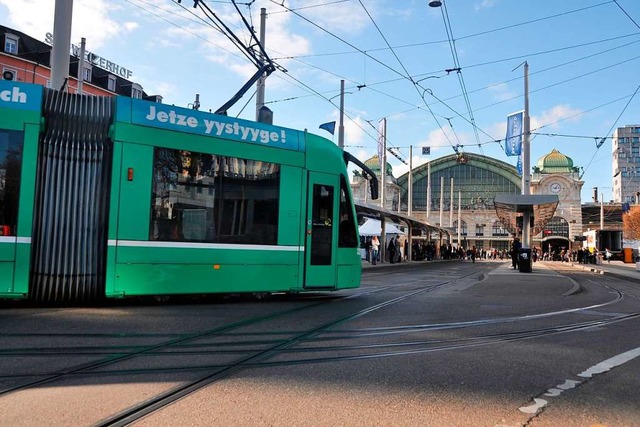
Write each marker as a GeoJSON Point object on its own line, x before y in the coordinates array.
{"type": "Point", "coordinates": [375, 245]}
{"type": "Point", "coordinates": [607, 255]}
{"type": "Point", "coordinates": [515, 250]}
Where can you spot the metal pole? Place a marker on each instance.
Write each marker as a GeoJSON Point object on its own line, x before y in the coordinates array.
{"type": "Point", "coordinates": [83, 43]}
{"type": "Point", "coordinates": [601, 214]}
{"type": "Point", "coordinates": [441, 199]}
{"type": "Point", "coordinates": [341, 125]}
{"type": "Point", "coordinates": [410, 187]}
{"type": "Point", "coordinates": [260, 84]}
{"type": "Point", "coordinates": [459, 217]}
{"type": "Point", "coordinates": [429, 191]}
{"type": "Point", "coordinates": [451, 205]}
{"type": "Point", "coordinates": [383, 165]}
{"type": "Point", "coordinates": [526, 177]}
{"type": "Point", "coordinates": [61, 42]}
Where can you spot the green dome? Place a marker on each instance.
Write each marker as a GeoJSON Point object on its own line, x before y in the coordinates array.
{"type": "Point", "coordinates": [555, 162]}
{"type": "Point", "coordinates": [374, 164]}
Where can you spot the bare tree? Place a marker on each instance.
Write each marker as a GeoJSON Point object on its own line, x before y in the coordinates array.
{"type": "Point", "coordinates": [631, 223]}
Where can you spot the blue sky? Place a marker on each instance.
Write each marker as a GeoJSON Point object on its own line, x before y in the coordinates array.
{"type": "Point", "coordinates": [582, 54]}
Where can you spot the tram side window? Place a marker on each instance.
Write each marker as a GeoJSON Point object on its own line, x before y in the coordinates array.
{"type": "Point", "coordinates": [11, 143]}
{"type": "Point", "coordinates": [207, 198]}
{"type": "Point", "coordinates": [347, 237]}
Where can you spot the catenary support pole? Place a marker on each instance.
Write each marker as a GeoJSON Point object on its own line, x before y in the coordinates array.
{"type": "Point", "coordinates": [526, 149]}
{"type": "Point", "coordinates": [83, 44]}
{"type": "Point", "coordinates": [260, 85]}
{"type": "Point", "coordinates": [61, 43]}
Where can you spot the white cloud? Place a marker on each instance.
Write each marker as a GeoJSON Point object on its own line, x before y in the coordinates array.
{"type": "Point", "coordinates": [556, 114]}
{"type": "Point", "coordinates": [91, 19]}
{"type": "Point", "coordinates": [501, 92]}
{"type": "Point", "coordinates": [485, 4]}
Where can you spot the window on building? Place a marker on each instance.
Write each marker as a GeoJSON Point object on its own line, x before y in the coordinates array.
{"type": "Point", "coordinates": [463, 227]}
{"type": "Point", "coordinates": [11, 44]}
{"type": "Point", "coordinates": [635, 150]}
{"type": "Point", "coordinates": [10, 73]}
{"type": "Point", "coordinates": [136, 91]}
{"type": "Point", "coordinates": [111, 84]}
{"type": "Point", "coordinates": [480, 229]}
{"type": "Point", "coordinates": [480, 187]}
{"type": "Point", "coordinates": [497, 229]}
{"type": "Point", "coordinates": [86, 74]}
{"type": "Point", "coordinates": [240, 204]}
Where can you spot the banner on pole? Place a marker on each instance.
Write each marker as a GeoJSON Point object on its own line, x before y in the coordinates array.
{"type": "Point", "coordinates": [519, 165]}
{"type": "Point", "coordinates": [513, 143]}
{"type": "Point", "coordinates": [329, 127]}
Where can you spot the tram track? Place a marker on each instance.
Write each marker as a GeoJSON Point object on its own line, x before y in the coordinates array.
{"type": "Point", "coordinates": [294, 344]}
{"type": "Point", "coordinates": [118, 356]}
{"type": "Point", "coordinates": [146, 408]}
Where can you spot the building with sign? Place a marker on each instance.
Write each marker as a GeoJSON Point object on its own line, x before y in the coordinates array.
{"type": "Point", "coordinates": [26, 59]}
{"type": "Point", "coordinates": [476, 181]}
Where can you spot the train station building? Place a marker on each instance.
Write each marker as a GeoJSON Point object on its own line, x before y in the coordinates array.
{"type": "Point", "coordinates": [465, 185]}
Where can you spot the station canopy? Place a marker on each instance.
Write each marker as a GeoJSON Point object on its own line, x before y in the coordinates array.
{"type": "Point", "coordinates": [373, 227]}
{"type": "Point", "coordinates": [511, 206]}
{"type": "Point", "coordinates": [376, 212]}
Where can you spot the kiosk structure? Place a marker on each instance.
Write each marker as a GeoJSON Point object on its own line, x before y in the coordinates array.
{"type": "Point", "coordinates": [512, 209]}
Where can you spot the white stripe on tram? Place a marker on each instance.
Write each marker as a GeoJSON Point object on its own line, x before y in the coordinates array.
{"type": "Point", "coordinates": [192, 245]}
{"type": "Point", "coordinates": [14, 239]}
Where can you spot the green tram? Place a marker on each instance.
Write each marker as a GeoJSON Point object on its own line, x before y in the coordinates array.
{"type": "Point", "coordinates": [116, 197]}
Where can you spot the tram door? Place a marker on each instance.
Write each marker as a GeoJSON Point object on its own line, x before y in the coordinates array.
{"type": "Point", "coordinates": [321, 231]}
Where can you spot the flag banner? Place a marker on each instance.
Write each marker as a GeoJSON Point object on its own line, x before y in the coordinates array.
{"type": "Point", "coordinates": [329, 127]}
{"type": "Point", "coordinates": [519, 165]}
{"type": "Point", "coordinates": [381, 140]}
{"type": "Point", "coordinates": [426, 151]}
{"type": "Point", "coordinates": [513, 143]}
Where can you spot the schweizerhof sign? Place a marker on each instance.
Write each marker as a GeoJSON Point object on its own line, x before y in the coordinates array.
{"type": "Point", "coordinates": [96, 60]}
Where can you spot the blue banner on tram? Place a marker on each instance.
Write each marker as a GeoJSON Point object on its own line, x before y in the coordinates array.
{"type": "Point", "coordinates": [20, 96]}
{"type": "Point", "coordinates": [202, 123]}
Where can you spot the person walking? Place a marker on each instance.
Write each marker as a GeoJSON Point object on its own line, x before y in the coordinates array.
{"type": "Point", "coordinates": [515, 250]}
{"type": "Point", "coordinates": [607, 255]}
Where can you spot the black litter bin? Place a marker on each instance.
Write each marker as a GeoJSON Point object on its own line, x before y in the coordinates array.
{"type": "Point", "coordinates": [524, 260]}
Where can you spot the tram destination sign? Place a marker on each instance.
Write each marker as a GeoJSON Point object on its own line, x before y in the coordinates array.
{"type": "Point", "coordinates": [203, 123]}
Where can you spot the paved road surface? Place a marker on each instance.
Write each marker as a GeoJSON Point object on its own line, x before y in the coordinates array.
{"type": "Point", "coordinates": [419, 344]}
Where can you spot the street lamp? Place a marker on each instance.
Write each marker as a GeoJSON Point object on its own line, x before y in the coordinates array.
{"type": "Point", "coordinates": [435, 3]}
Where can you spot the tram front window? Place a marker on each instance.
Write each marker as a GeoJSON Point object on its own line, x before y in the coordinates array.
{"type": "Point", "coordinates": [10, 166]}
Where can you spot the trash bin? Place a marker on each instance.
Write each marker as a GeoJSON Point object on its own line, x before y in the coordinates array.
{"type": "Point", "coordinates": [627, 255]}
{"type": "Point", "coordinates": [524, 260]}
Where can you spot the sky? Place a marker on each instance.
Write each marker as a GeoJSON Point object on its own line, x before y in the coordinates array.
{"type": "Point", "coordinates": [443, 77]}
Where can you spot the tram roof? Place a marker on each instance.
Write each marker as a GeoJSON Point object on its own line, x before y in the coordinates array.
{"type": "Point", "coordinates": [373, 211]}
{"type": "Point", "coordinates": [510, 206]}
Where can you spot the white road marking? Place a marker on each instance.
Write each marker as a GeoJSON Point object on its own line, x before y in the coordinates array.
{"type": "Point", "coordinates": [600, 368]}
{"type": "Point", "coordinates": [609, 364]}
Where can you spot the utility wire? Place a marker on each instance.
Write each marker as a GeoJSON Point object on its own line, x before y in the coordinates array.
{"type": "Point", "coordinates": [456, 63]}
{"type": "Point", "coordinates": [610, 130]}
{"type": "Point", "coordinates": [408, 77]}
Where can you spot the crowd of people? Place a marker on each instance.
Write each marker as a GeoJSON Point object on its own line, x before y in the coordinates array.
{"type": "Point", "coordinates": [398, 250]}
